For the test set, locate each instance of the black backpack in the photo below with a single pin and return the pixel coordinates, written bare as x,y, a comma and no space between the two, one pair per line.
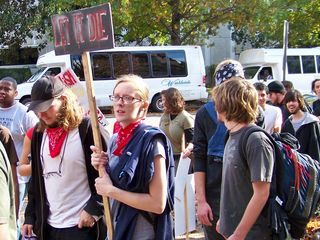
295,187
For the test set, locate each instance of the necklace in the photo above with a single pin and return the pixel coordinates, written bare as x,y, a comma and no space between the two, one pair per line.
237,124
52,173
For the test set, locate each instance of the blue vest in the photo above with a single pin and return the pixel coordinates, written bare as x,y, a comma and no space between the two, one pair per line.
133,173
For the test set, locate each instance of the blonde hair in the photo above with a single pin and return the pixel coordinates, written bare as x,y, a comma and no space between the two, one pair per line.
140,85
237,99
70,114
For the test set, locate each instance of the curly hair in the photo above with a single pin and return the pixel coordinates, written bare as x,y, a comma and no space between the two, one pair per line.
70,113
237,99
174,100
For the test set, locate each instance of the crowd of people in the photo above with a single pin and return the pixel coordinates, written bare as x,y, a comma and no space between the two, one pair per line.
49,162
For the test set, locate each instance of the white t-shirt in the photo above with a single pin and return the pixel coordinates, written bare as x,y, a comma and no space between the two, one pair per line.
18,121
272,118
66,181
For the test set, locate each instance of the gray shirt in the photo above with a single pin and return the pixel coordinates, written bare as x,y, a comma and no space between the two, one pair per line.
237,178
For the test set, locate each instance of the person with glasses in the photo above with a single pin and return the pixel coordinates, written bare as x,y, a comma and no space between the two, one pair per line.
140,166
177,123
63,202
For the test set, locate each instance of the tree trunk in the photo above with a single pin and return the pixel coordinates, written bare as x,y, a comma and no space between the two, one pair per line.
175,22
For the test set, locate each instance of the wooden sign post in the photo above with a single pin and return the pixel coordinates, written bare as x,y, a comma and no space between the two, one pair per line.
79,32
186,216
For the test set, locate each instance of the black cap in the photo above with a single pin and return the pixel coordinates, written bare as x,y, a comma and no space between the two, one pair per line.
43,93
276,87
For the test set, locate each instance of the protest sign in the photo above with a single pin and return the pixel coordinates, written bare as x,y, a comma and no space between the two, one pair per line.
79,32
70,79
184,196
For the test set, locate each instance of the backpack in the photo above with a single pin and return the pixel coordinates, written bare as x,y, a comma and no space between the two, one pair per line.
295,187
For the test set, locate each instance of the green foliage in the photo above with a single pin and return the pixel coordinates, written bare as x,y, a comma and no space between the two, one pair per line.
262,26
174,22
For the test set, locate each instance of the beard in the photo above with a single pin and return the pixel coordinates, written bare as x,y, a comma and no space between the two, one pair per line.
294,110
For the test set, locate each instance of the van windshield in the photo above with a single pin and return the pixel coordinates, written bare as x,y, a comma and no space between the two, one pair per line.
36,75
250,72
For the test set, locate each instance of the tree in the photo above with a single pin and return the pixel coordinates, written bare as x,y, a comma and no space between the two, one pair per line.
262,26
175,22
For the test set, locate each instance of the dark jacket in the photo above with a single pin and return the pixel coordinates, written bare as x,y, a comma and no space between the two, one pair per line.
37,209
208,148
308,135
316,107
133,173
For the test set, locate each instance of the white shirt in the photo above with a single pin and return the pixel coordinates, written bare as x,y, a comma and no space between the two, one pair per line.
68,193
18,121
272,118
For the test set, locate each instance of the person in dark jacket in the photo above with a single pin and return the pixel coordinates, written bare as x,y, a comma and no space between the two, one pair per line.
63,202
315,86
303,125
140,161
208,141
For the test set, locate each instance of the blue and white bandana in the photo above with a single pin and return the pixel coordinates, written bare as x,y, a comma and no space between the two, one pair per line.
227,71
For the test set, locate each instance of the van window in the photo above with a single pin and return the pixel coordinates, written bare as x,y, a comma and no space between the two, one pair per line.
159,64
265,74
76,65
177,61
140,64
101,66
318,63
308,64
53,71
293,64
144,64
250,72
121,64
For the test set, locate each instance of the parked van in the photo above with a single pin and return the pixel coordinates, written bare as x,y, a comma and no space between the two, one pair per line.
303,65
161,67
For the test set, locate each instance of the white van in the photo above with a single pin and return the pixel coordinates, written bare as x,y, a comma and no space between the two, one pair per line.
161,67
303,66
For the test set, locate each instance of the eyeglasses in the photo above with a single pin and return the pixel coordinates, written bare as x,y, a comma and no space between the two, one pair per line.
125,99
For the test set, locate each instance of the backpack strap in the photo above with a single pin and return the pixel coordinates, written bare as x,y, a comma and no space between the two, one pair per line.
245,136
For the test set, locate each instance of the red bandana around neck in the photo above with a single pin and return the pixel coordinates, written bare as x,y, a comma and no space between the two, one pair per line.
124,135
56,138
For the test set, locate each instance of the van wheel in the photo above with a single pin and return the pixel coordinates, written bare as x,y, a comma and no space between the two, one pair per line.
156,103
26,101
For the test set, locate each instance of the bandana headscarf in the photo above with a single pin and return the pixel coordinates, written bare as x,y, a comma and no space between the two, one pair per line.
56,138
124,135
227,71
